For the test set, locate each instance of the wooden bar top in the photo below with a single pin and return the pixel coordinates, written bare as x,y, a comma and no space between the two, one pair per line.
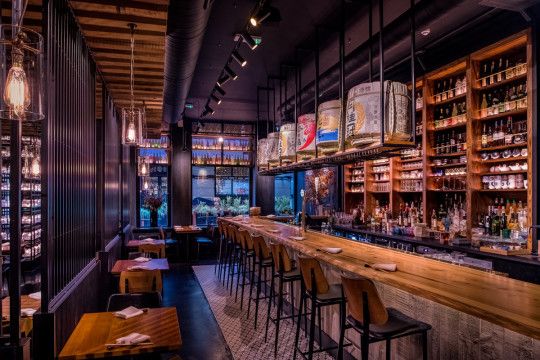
94,330
26,321
187,229
153,264
137,243
510,303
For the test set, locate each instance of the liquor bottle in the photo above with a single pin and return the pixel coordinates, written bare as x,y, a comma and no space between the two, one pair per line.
484,137
484,74
496,133
434,220
508,137
453,148
451,88
500,70
490,136
444,88
491,72
483,106
454,110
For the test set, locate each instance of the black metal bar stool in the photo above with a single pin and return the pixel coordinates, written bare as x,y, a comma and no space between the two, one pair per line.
264,261
221,253
285,272
233,256
374,321
245,264
316,288
228,251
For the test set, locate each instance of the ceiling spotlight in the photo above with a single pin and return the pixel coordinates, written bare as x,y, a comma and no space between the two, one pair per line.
220,90
239,59
231,73
248,39
264,13
425,32
223,79
216,99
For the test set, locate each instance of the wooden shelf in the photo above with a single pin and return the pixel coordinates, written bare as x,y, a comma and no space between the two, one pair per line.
448,165
500,160
457,154
412,169
502,147
455,98
411,160
379,192
410,191
500,83
438,190
500,190
487,173
380,181
450,127
502,115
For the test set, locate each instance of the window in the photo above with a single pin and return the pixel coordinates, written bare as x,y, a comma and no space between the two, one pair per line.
284,194
154,187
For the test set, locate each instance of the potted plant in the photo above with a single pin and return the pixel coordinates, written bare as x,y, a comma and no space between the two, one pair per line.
153,203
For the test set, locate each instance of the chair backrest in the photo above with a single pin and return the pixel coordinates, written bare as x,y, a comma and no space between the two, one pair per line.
140,281
162,234
357,290
261,249
119,302
134,254
153,249
220,227
242,236
311,267
282,260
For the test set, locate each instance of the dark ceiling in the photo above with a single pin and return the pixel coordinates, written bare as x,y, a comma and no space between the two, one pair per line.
294,35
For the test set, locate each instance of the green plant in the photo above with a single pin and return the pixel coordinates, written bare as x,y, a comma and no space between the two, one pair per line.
283,205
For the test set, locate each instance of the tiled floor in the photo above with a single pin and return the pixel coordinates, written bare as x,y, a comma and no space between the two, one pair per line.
201,335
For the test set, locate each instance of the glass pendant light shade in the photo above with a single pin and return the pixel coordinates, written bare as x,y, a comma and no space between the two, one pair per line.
132,123
144,167
22,74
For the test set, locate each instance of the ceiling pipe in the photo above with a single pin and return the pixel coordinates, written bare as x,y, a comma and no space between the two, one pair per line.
186,26
395,32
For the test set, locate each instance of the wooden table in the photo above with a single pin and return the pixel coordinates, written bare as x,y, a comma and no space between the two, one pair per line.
154,264
26,303
137,243
94,330
510,303
187,231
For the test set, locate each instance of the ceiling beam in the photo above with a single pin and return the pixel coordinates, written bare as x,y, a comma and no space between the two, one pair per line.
133,4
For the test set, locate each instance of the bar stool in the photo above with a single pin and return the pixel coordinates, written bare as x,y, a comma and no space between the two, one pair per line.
221,234
263,262
232,254
316,288
285,271
374,321
246,264
227,247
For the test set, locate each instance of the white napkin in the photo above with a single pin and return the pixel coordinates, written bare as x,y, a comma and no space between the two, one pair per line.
141,259
331,250
271,216
28,312
273,230
385,267
257,225
297,238
147,241
129,312
140,267
133,339
35,296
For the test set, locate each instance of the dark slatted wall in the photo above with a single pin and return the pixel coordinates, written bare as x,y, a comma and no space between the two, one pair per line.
71,150
111,171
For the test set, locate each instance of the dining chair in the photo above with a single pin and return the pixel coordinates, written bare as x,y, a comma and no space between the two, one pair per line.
134,254
153,250
119,302
140,281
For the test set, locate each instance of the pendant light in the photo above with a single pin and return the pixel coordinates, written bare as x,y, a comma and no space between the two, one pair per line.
145,184
21,51
132,117
35,166
144,167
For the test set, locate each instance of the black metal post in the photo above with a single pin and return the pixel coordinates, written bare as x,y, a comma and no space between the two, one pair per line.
342,97
413,72
296,96
317,79
381,68
370,39
534,131
15,233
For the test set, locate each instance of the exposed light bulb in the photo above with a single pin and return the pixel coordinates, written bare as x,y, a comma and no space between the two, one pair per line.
130,136
17,90
35,169
144,169
220,139
145,184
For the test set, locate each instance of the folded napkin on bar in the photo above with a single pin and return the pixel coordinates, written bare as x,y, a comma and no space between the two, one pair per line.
133,339
271,216
331,250
27,312
140,267
129,312
147,241
384,267
257,225
273,230
297,238
35,296
141,259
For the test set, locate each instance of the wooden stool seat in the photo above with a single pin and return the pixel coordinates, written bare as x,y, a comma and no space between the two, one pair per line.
397,325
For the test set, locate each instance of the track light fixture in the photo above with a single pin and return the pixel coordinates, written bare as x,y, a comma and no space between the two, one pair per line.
223,79
265,12
216,99
208,110
220,90
239,59
248,39
230,72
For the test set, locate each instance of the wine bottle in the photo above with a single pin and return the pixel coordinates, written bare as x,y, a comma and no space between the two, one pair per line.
484,137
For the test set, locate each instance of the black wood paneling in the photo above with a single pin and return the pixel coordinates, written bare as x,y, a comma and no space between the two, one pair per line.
111,171
71,150
181,174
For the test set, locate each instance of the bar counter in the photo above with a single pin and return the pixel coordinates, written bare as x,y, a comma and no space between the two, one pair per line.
509,303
